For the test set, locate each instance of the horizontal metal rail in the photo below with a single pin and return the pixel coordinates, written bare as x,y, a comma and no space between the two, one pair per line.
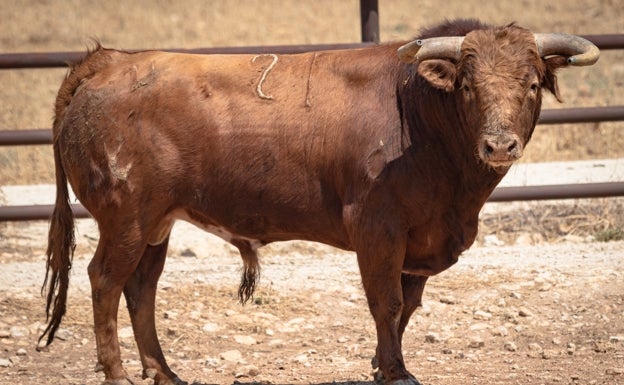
62,59
500,194
558,191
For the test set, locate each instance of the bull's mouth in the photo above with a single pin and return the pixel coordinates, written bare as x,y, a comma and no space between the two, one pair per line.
500,167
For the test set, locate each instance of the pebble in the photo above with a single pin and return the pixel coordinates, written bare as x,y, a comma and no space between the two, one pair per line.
476,342
125,332
247,371
482,315
534,347
500,331
231,355
18,331
245,340
524,312
432,337
510,346
616,339
448,299
4,363
21,352
210,327
615,371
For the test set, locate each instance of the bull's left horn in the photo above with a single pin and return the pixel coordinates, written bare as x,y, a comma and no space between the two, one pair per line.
580,51
448,47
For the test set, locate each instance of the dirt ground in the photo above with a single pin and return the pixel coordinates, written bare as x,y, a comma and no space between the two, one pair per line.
521,314
547,307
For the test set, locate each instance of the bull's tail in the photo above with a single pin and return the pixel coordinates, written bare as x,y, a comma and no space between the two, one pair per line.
251,270
61,241
61,244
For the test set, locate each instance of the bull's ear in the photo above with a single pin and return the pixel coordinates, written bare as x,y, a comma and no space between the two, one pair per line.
550,77
439,73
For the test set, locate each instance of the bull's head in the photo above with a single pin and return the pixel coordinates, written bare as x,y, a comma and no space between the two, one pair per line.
498,76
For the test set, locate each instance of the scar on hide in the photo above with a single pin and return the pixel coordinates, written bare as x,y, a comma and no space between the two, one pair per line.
259,91
307,97
118,171
144,81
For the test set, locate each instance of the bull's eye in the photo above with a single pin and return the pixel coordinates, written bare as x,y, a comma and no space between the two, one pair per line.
535,87
466,89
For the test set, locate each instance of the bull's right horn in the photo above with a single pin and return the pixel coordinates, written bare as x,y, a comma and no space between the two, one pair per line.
448,47
580,51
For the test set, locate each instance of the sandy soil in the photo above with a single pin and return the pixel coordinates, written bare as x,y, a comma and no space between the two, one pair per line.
543,314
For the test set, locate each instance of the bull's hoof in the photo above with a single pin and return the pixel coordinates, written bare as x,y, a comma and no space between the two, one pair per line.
162,379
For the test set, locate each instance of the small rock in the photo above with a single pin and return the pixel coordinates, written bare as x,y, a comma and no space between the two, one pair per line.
21,352
210,327
510,346
188,253
500,331
448,299
231,355
342,340
245,340
548,354
534,347
4,363
5,334
476,342
478,327
524,312
247,371
300,359
276,343
482,315
616,339
170,314
18,331
515,295
615,371
125,332
432,337
64,334
151,373
432,359
211,362
492,240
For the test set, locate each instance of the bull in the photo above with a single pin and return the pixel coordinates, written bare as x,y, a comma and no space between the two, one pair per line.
389,151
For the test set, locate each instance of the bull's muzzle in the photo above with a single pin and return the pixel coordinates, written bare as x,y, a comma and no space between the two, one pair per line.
500,150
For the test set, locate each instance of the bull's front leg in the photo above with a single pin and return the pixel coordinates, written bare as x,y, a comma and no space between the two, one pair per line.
380,265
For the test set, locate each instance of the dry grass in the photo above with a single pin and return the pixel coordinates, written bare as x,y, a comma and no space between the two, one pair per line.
538,222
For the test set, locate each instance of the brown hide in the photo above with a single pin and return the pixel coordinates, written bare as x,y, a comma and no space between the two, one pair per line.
350,148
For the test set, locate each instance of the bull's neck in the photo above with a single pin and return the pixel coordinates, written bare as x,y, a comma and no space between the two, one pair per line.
442,143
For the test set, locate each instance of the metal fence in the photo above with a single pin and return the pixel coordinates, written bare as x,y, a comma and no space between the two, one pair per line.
369,19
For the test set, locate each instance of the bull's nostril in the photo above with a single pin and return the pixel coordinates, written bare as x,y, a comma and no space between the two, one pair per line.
512,146
489,149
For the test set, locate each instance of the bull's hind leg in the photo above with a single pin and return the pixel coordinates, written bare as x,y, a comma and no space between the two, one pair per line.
140,293
115,259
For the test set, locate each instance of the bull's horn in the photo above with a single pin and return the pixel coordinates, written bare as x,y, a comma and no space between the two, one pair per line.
580,51
448,47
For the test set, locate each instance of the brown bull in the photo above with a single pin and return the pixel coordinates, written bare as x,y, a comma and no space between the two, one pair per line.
391,155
